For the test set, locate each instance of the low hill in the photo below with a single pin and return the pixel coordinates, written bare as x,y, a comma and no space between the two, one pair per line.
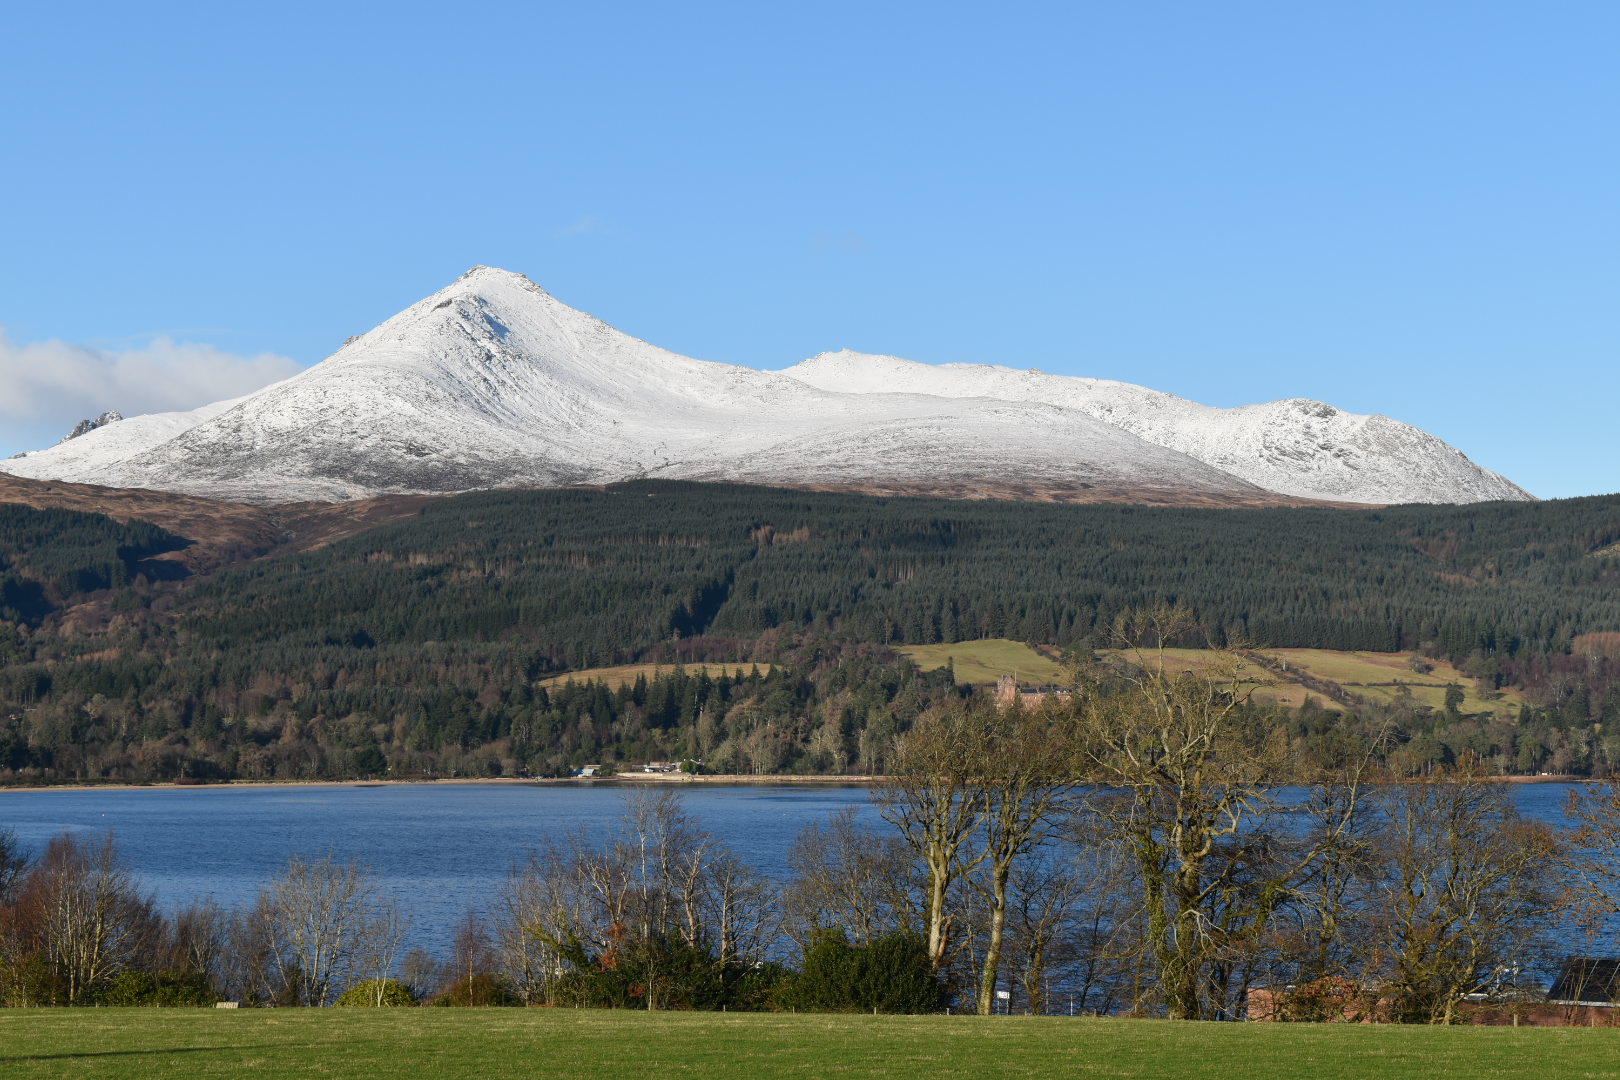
431,642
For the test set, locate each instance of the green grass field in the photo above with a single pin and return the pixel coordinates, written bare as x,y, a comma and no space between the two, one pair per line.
986,660
1374,675
1267,690
619,676
982,662
489,1044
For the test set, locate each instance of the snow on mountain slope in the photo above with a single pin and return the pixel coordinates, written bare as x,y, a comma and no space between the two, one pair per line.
1295,447
983,442
492,382
86,458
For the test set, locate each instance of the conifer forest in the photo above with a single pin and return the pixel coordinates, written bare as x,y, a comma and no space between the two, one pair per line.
431,646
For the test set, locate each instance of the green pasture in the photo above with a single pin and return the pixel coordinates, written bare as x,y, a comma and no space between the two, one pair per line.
491,1044
1377,675
986,660
1267,689
625,674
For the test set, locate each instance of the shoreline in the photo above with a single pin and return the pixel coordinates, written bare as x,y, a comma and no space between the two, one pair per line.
733,779
715,779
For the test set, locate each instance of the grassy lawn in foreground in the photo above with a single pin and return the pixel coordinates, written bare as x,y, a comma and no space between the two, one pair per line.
488,1044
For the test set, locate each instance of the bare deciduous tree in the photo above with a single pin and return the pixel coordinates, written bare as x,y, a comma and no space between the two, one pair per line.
13,864
1189,775
935,799
322,917
378,949
1022,779
846,877
86,913
1466,889
662,891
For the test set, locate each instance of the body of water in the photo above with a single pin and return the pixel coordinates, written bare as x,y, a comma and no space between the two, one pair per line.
441,849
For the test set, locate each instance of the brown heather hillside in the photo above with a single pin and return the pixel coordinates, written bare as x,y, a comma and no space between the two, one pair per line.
221,532
1013,491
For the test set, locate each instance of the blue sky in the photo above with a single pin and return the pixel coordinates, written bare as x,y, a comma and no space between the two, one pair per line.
1410,208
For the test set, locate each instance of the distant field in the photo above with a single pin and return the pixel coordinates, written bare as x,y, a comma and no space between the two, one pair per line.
986,660
1375,675
1286,694
495,1044
628,673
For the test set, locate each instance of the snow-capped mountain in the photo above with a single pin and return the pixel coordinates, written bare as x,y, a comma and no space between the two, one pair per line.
1294,447
492,382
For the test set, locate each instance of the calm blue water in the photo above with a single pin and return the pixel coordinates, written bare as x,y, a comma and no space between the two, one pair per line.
441,849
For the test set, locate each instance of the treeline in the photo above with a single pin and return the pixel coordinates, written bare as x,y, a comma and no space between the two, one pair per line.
77,929
673,921
818,708
418,648
1001,890
1560,738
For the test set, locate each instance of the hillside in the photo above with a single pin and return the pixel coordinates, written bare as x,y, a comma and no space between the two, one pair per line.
434,643
1328,678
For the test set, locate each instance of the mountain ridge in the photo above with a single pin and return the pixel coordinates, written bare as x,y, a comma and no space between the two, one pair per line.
493,382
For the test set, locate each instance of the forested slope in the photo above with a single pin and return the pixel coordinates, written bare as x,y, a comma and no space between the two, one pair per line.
592,577
417,646
49,558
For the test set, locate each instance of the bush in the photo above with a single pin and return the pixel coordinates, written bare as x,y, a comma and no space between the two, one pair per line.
472,990
395,995
32,982
664,971
889,975
166,989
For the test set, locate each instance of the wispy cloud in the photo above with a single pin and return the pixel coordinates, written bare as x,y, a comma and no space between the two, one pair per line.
56,383
839,241
588,225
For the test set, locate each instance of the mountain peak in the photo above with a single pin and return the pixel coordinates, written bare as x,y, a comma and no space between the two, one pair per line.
482,277
493,382
84,427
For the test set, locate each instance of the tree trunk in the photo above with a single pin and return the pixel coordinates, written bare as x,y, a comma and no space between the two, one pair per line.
998,931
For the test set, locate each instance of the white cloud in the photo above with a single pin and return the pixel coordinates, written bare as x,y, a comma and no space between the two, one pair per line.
53,384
